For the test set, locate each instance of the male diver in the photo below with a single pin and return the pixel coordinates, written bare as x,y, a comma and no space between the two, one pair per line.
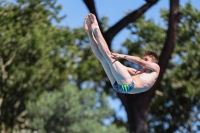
123,79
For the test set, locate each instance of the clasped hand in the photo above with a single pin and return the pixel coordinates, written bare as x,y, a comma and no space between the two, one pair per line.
117,56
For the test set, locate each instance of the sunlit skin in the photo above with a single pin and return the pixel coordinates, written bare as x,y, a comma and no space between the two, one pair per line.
117,72
146,58
145,78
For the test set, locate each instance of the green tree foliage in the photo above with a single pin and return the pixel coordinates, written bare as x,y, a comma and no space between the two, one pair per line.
31,58
70,111
37,57
176,105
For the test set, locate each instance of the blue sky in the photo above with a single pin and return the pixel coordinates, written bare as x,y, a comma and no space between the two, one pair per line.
75,10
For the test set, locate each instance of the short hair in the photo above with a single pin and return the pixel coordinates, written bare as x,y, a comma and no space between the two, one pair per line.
152,54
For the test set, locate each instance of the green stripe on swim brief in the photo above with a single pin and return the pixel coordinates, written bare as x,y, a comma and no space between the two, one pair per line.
125,87
128,87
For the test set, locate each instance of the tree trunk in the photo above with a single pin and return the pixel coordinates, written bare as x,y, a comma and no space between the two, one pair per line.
136,106
137,111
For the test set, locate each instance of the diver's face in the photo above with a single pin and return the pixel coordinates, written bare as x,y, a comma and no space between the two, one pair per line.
146,58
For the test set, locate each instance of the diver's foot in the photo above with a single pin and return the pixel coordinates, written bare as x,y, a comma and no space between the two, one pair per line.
94,24
87,23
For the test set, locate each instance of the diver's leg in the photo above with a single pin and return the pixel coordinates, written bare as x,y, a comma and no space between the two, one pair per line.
100,57
96,51
118,70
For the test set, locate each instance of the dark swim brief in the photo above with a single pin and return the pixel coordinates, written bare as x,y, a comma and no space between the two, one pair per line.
123,88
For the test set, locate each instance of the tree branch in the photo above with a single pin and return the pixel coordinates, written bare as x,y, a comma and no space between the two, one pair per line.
131,17
11,58
3,66
92,9
112,31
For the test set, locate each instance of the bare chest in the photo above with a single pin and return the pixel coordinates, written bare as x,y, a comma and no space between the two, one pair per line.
143,79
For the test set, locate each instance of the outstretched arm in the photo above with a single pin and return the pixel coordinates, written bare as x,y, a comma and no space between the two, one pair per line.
137,60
